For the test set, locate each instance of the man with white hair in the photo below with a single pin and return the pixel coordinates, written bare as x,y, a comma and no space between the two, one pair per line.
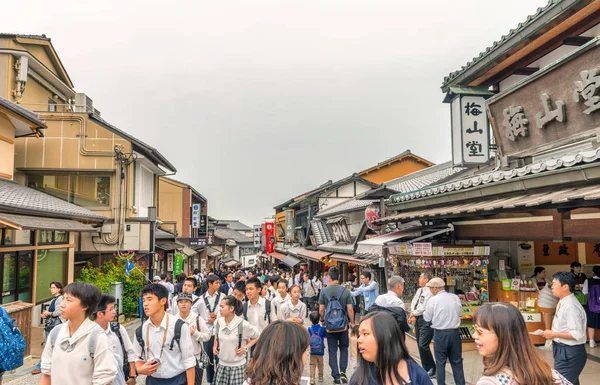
392,303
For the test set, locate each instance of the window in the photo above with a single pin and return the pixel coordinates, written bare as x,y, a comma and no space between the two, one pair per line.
51,266
12,237
47,237
51,105
17,274
91,191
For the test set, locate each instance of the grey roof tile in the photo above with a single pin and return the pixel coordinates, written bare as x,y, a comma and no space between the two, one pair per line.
27,222
21,199
23,112
224,234
424,178
348,206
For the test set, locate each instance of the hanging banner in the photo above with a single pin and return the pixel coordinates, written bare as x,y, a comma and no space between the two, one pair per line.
269,232
178,266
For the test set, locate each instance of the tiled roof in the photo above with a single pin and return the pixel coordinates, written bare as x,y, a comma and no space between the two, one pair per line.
321,232
24,200
344,207
27,222
499,44
23,112
234,225
528,200
13,35
564,161
395,158
337,247
224,234
424,178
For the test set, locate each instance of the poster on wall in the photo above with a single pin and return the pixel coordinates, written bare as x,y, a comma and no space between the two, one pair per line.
555,253
526,257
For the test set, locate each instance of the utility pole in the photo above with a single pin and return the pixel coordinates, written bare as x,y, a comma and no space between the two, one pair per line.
152,220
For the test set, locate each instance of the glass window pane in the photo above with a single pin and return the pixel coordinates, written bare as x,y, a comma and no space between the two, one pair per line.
91,191
17,237
61,237
50,267
44,236
25,275
8,277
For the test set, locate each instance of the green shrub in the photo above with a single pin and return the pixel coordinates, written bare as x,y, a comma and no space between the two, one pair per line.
111,272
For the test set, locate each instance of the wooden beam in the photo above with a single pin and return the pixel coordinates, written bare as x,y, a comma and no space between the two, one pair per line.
577,41
582,230
558,225
534,231
526,71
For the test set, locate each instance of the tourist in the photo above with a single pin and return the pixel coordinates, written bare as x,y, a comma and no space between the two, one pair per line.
78,337
293,309
118,340
317,334
160,357
578,275
568,329
326,279
509,357
209,310
189,286
423,329
51,316
257,310
391,302
309,292
227,285
369,289
384,358
279,363
239,291
444,311
591,287
547,302
198,330
179,285
336,317
234,336
282,296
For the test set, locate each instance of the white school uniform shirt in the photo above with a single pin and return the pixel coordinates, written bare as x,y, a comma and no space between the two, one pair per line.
419,302
172,362
256,314
69,362
229,340
115,347
444,311
287,310
204,312
570,317
276,304
201,334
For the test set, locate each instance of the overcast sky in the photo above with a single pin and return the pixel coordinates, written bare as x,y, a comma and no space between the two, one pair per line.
255,101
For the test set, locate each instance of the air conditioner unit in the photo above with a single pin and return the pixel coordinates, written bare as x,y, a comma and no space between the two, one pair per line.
83,103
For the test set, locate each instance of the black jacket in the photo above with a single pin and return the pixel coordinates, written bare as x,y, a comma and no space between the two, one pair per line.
398,313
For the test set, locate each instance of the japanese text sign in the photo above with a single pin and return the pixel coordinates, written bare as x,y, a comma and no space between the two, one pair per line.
557,105
470,133
195,216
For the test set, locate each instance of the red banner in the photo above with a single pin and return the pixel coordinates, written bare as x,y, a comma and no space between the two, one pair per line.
269,234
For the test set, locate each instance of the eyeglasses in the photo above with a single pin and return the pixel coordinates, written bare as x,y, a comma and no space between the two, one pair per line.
480,331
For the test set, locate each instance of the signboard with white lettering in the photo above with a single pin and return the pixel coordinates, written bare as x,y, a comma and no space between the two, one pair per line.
555,106
195,216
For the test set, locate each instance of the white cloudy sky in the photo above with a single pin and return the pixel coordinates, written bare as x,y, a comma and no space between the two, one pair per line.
256,101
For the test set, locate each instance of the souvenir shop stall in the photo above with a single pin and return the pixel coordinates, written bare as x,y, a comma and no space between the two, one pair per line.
463,268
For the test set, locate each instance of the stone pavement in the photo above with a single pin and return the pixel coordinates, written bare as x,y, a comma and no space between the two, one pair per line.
473,365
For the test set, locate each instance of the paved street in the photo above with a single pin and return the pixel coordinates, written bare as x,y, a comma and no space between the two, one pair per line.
472,365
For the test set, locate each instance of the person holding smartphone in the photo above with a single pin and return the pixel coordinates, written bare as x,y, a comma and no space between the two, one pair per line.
161,357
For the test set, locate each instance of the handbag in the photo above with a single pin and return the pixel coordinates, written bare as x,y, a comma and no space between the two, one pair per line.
51,323
203,361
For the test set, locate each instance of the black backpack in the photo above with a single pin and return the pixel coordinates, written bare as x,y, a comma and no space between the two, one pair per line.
176,335
267,310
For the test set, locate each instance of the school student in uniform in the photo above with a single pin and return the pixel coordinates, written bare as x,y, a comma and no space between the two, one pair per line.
234,336
77,351
293,310
257,310
118,340
281,297
198,329
164,360
190,285
210,310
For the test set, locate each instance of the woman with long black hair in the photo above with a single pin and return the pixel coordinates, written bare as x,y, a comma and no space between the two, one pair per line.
384,359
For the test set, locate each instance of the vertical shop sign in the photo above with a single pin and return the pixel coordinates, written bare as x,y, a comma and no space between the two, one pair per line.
195,216
257,236
170,262
269,232
290,225
178,266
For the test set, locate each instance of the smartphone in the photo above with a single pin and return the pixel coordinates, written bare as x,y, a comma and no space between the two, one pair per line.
154,360
304,380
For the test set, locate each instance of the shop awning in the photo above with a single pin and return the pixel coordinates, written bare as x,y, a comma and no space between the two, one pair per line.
189,251
168,245
315,255
26,222
290,261
358,259
375,246
277,255
211,252
229,262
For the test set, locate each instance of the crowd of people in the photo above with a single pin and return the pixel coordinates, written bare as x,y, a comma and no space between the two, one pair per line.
249,328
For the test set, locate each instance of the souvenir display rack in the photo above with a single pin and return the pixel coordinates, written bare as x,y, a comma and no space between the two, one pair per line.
465,275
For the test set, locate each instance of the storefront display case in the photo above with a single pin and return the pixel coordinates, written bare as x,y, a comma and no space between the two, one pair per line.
465,270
